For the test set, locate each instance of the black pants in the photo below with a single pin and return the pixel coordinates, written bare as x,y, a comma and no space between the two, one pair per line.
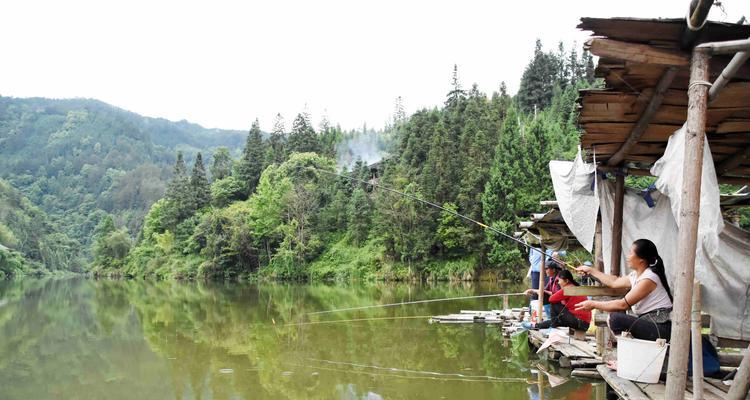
641,328
560,317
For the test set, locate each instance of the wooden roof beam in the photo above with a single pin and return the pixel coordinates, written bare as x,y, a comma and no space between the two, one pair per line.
733,162
640,127
637,53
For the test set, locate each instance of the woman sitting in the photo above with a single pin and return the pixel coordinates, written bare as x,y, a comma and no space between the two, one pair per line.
649,295
551,269
562,307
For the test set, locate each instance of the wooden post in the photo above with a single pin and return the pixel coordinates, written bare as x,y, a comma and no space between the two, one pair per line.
542,274
695,328
614,262
505,302
688,223
741,384
540,383
598,257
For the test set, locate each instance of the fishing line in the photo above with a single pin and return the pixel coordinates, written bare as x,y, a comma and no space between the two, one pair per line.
483,225
409,371
416,302
350,371
354,320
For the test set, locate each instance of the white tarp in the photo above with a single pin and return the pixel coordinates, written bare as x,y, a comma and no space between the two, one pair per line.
574,182
723,251
669,170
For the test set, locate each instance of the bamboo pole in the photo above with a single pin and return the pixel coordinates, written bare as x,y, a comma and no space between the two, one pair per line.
688,223
741,384
726,47
697,344
542,274
616,256
598,256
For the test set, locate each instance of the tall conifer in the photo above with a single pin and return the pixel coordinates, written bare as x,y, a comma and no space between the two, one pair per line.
253,160
201,191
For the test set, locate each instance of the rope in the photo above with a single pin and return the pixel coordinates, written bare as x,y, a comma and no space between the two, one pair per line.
415,302
699,83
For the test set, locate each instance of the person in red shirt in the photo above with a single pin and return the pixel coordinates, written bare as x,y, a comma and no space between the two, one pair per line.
563,308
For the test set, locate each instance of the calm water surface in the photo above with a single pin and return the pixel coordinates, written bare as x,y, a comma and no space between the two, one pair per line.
86,339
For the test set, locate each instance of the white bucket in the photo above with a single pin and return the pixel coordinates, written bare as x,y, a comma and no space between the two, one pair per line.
640,360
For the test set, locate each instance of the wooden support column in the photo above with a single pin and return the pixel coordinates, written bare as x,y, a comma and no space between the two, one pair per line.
741,384
598,255
614,261
696,337
540,295
688,223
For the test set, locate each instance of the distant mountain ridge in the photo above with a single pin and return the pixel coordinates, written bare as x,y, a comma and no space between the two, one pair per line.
79,159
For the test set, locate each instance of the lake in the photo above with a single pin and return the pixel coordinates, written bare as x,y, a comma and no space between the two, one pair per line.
79,338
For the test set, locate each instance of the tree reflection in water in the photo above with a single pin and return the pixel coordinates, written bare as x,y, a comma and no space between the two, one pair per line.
78,338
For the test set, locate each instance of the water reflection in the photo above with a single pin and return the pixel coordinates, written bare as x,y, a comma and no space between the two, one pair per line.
78,338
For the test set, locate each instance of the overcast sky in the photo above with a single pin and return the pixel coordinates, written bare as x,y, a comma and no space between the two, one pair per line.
224,63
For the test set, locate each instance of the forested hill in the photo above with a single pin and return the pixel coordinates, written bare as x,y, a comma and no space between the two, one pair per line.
281,212
29,241
80,159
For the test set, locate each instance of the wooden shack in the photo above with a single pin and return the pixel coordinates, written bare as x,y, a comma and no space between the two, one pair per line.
661,75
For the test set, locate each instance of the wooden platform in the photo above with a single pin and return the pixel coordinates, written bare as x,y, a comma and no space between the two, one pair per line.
481,317
713,389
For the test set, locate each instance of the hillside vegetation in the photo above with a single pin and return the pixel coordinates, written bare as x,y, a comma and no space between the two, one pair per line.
282,213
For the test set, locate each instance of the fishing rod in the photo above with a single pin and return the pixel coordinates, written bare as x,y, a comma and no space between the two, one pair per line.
415,302
483,225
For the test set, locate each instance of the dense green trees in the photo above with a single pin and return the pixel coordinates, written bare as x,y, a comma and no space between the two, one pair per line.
278,209
79,160
29,241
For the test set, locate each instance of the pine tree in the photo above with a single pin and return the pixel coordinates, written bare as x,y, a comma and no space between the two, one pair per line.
588,62
201,191
574,66
253,160
359,214
302,138
538,81
456,93
221,167
399,113
277,142
179,194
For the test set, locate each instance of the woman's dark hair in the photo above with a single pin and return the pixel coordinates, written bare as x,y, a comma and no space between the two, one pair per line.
568,276
646,250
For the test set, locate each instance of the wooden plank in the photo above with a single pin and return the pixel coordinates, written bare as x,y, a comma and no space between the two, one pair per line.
645,119
594,291
734,161
652,390
636,53
733,126
623,387
590,373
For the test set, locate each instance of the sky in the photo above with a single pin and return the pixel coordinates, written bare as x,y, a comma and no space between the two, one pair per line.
223,63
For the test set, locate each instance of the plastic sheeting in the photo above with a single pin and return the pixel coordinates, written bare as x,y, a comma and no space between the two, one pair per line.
574,184
723,252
